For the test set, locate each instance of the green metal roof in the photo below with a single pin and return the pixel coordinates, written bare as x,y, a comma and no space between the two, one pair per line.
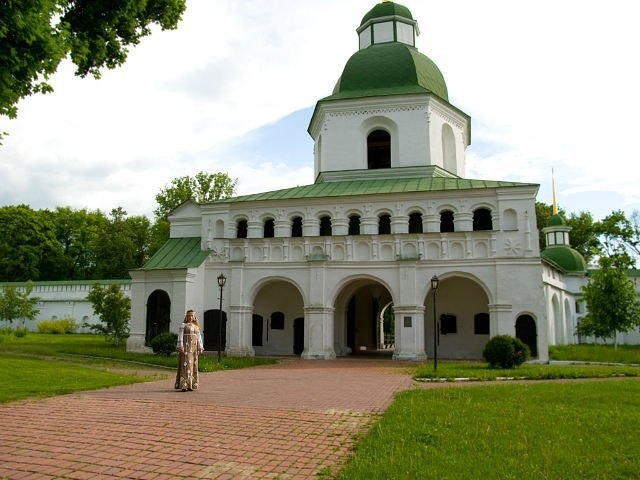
373,187
556,221
178,253
386,9
570,260
389,69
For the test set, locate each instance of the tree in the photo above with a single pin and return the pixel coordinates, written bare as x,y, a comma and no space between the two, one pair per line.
16,304
29,249
619,234
203,188
114,310
115,247
612,304
36,35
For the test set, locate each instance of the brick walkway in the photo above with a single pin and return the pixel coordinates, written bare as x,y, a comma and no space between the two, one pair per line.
288,421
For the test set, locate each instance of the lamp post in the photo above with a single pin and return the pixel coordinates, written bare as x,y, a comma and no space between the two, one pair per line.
434,286
221,281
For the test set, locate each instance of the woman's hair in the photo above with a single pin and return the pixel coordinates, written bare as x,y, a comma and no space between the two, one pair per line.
186,315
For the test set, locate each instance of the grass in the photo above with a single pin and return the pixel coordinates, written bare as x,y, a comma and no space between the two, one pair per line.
478,371
629,354
41,365
583,430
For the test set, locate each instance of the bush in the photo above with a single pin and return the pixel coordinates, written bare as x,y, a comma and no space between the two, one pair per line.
164,343
65,325
505,352
21,332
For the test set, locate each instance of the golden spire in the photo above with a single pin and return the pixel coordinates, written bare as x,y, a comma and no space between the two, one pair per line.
555,199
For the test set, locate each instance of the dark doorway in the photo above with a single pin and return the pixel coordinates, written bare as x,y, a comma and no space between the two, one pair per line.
158,315
351,324
212,339
257,325
298,335
526,331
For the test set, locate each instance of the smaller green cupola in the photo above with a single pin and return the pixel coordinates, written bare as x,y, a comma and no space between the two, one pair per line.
558,249
387,22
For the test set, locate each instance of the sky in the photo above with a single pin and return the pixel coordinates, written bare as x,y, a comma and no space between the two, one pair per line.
549,85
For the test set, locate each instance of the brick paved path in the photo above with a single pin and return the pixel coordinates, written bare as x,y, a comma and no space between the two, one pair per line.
288,421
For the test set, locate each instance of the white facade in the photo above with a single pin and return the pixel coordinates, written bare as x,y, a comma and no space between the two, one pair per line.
317,270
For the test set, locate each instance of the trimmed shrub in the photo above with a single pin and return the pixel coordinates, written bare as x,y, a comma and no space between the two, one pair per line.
505,352
164,343
64,325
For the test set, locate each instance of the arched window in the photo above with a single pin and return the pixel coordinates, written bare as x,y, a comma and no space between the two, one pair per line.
482,219
269,228
384,224
415,222
446,221
241,229
325,226
378,150
354,224
296,227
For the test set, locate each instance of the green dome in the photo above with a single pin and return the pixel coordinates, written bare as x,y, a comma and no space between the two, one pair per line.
556,221
389,69
566,257
386,9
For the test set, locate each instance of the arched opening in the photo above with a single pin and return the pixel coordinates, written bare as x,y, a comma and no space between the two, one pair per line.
215,334
269,228
296,227
384,224
241,229
158,315
378,150
325,226
446,221
415,222
354,224
363,319
482,219
526,331
457,334
280,304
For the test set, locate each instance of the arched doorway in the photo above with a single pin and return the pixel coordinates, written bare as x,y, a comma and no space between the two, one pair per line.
526,331
361,318
215,334
158,315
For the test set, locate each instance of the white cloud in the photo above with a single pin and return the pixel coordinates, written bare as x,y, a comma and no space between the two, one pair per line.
547,84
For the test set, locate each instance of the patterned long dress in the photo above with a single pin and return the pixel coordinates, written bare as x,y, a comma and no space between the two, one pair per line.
190,340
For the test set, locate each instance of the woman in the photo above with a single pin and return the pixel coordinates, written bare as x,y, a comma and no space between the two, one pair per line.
189,346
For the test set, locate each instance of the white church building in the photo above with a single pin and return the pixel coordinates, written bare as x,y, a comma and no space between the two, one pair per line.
345,265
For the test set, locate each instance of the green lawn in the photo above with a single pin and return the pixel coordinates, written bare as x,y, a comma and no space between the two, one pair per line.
41,365
578,430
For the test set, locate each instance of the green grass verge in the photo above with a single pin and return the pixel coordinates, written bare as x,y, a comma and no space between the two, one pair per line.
479,371
583,430
629,354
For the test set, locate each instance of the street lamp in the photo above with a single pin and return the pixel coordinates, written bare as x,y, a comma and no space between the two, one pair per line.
434,286
221,281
